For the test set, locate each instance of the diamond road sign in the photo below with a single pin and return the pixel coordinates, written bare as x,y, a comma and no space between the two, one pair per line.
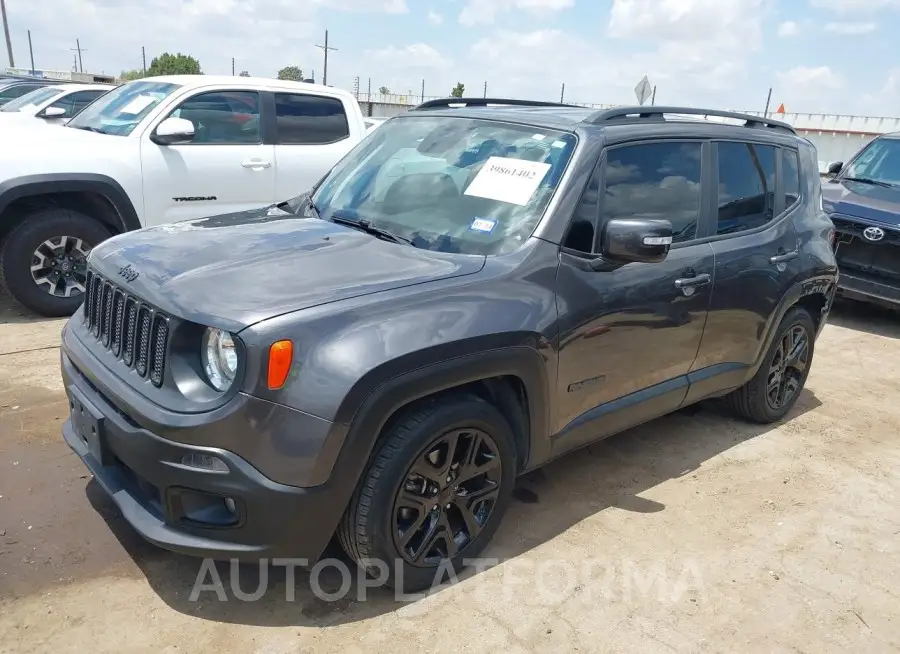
643,90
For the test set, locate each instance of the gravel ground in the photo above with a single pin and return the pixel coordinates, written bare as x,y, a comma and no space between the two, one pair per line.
695,532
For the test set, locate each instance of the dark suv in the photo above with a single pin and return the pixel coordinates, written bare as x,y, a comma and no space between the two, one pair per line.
863,200
473,291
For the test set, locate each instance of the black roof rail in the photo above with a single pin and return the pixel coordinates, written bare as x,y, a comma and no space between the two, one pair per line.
658,113
445,103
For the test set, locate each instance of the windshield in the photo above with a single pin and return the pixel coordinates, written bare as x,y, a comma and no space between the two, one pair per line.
879,162
449,184
33,99
119,111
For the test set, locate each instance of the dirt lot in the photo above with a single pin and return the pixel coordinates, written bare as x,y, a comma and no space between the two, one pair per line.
693,533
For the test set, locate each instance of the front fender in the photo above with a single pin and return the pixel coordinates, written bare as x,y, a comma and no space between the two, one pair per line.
50,183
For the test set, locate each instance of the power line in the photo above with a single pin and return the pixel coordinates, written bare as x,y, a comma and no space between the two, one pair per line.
326,49
9,52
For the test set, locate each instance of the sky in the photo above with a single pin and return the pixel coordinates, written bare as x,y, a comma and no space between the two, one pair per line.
819,56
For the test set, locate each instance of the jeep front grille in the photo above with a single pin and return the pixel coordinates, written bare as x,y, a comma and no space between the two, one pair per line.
136,333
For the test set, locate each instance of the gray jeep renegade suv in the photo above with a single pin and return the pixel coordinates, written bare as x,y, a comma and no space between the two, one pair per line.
473,291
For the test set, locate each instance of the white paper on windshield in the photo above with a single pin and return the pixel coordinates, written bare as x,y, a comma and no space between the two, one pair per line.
137,105
508,180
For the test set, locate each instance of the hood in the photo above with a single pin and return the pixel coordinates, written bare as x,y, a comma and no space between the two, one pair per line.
234,270
867,203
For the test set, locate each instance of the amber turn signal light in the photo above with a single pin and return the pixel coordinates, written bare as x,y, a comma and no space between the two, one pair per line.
281,354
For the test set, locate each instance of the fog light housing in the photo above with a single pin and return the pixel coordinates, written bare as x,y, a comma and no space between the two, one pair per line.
204,462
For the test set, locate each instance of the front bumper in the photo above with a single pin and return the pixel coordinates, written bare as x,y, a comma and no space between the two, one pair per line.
860,288
180,507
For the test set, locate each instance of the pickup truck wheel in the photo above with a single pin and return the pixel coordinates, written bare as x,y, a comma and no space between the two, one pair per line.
43,260
775,388
435,492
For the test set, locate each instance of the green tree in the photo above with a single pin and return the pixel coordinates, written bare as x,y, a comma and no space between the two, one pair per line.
174,64
384,90
129,75
292,73
458,90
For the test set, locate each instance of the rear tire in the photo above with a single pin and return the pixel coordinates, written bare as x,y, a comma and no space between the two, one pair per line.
757,400
57,240
467,502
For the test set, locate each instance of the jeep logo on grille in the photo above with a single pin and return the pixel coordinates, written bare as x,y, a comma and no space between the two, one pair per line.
128,273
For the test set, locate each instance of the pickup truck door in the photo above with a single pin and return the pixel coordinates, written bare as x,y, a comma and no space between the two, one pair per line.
225,168
314,131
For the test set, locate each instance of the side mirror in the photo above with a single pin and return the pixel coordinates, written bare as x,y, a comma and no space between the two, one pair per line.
835,168
52,112
172,131
635,240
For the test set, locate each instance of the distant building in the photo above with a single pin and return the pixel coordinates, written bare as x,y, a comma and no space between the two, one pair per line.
62,75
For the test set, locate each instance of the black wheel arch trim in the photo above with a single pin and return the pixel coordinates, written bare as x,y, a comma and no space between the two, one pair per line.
49,183
349,448
824,285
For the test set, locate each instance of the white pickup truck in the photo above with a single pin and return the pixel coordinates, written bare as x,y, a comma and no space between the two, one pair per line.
157,150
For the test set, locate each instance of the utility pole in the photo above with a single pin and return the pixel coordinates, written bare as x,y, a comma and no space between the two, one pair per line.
326,49
232,66
562,93
12,63
653,99
485,89
30,50
423,90
144,59
79,50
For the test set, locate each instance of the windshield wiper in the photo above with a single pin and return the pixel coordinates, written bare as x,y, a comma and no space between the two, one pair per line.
368,227
866,180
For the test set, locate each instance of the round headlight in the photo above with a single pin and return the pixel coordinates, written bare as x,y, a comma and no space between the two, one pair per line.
220,358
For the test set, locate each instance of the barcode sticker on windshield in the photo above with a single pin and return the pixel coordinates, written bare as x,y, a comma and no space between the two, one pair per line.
508,180
137,105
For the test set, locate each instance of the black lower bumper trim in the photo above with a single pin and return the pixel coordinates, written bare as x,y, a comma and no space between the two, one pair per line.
868,290
148,479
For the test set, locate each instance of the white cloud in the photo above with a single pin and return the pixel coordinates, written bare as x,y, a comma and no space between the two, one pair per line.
434,17
788,28
854,6
807,88
803,77
485,12
851,29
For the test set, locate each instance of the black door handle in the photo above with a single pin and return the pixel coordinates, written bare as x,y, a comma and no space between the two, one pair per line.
784,258
689,282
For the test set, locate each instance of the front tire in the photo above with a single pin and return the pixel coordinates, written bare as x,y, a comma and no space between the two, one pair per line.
776,386
43,260
434,494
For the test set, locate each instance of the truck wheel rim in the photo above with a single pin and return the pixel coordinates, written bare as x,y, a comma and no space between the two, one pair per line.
788,367
447,497
59,266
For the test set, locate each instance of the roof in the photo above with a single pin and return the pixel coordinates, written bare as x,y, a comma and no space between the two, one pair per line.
260,82
571,117
83,86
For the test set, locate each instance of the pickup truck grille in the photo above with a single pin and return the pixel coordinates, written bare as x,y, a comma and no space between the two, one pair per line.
136,333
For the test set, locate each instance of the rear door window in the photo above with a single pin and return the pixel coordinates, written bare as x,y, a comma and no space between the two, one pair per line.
746,197
305,119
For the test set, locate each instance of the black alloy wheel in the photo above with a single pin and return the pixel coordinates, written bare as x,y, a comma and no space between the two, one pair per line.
786,372
447,497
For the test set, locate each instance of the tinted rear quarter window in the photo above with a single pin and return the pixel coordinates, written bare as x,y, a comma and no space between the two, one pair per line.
655,181
746,186
790,177
310,119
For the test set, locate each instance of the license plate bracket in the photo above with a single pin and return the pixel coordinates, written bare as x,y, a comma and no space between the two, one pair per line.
89,427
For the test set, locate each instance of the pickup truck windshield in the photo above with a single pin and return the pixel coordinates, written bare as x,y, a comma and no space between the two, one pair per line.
119,111
32,99
449,184
878,163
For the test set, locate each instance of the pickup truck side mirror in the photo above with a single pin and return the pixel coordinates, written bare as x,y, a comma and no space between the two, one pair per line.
172,131
636,240
52,112
835,168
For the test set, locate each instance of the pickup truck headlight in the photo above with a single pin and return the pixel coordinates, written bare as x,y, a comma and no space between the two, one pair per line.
220,358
